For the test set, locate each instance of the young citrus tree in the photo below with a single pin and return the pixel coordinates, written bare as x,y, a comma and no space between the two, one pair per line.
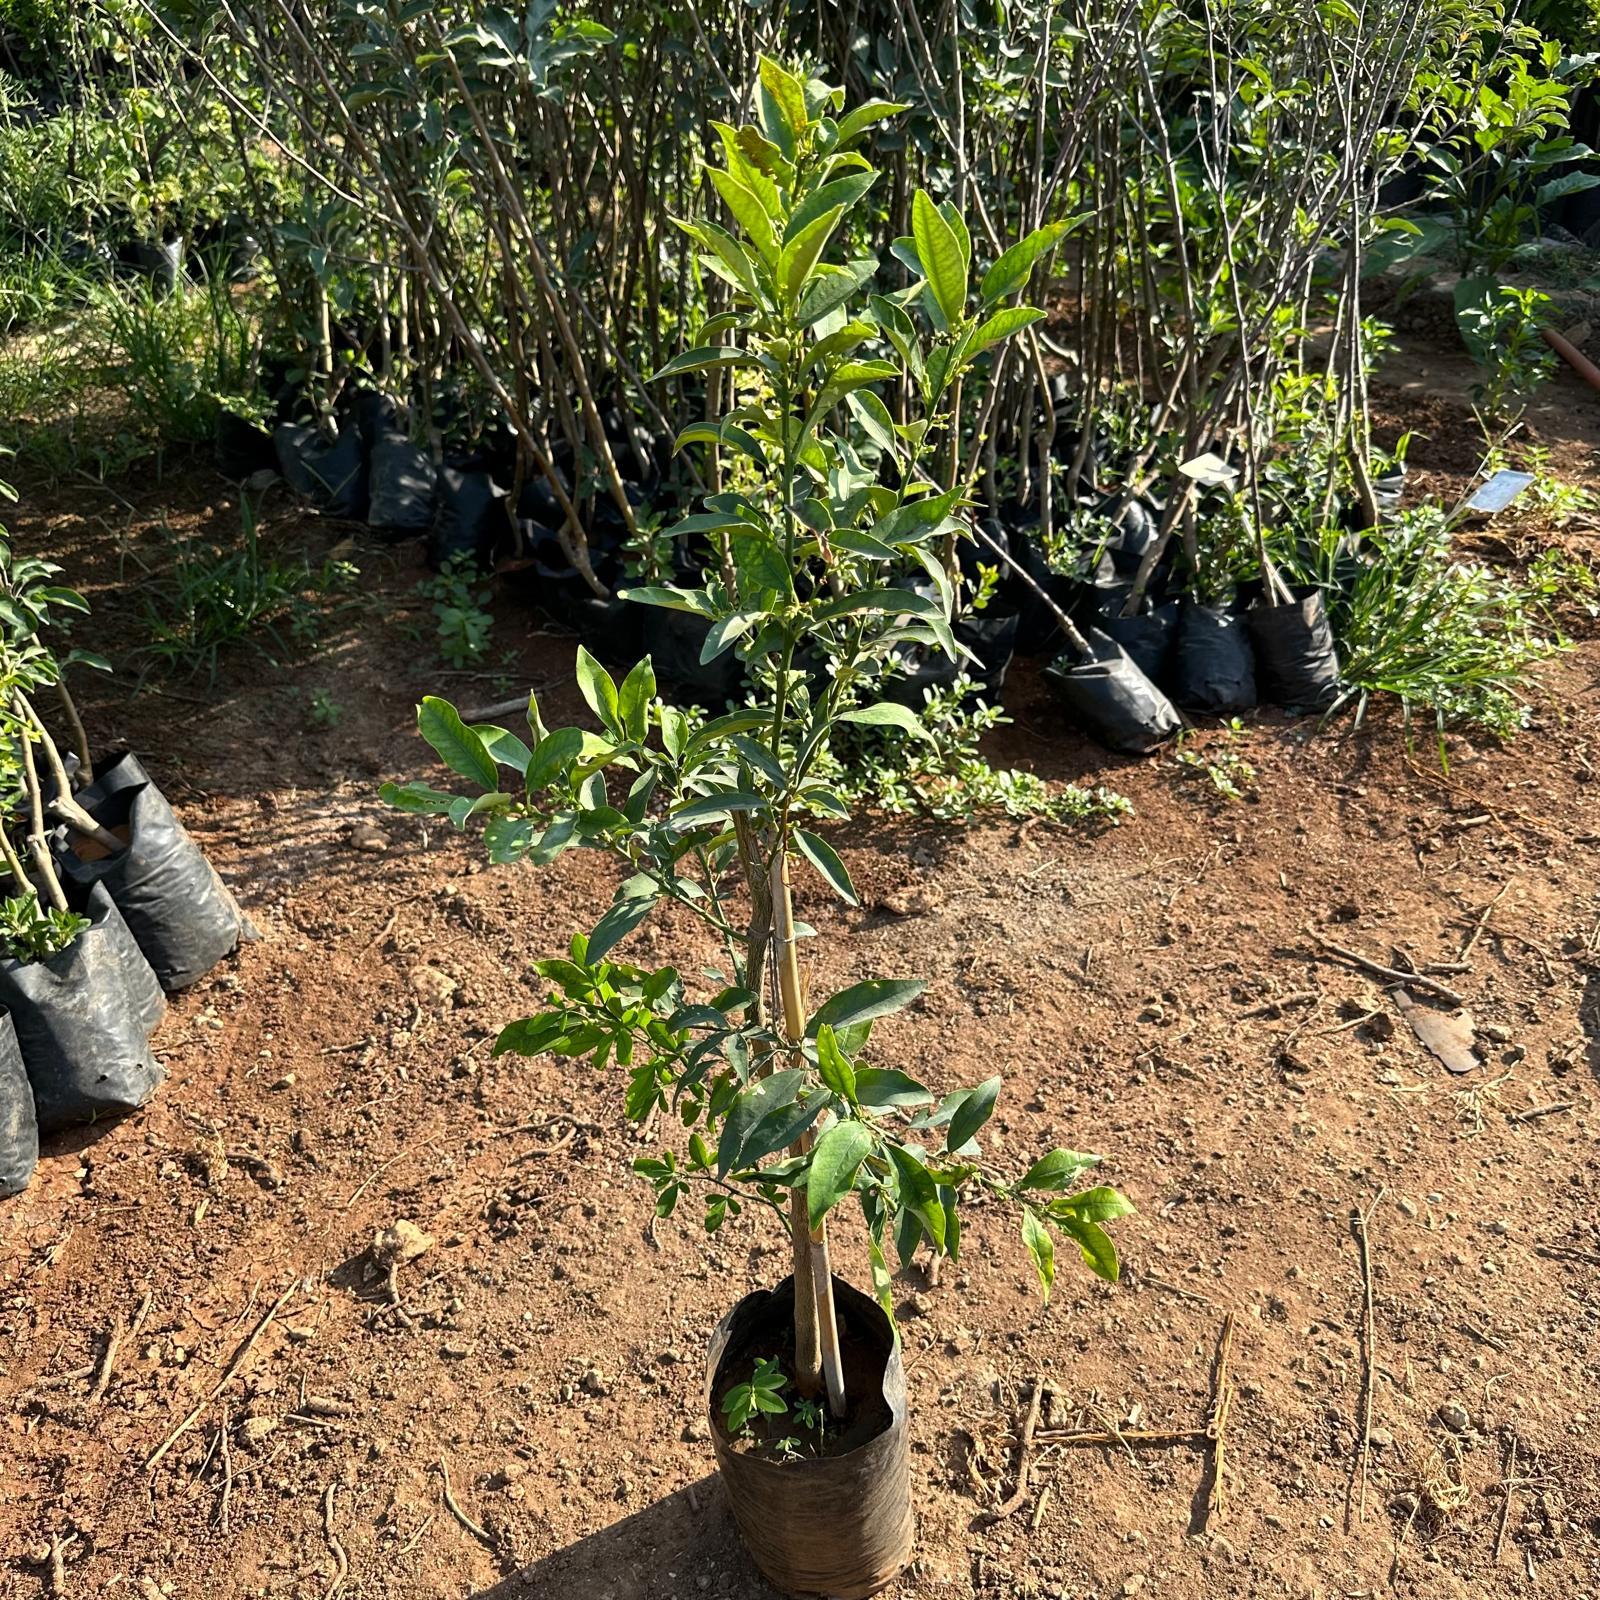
830,548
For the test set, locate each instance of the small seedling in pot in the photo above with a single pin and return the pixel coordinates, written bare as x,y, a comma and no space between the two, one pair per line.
761,1396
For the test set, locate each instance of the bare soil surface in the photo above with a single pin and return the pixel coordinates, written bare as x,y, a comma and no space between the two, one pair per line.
528,1420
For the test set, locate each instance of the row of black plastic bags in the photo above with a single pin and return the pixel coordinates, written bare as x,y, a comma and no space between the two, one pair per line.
75,1027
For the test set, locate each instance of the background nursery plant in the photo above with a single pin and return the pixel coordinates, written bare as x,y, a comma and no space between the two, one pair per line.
834,546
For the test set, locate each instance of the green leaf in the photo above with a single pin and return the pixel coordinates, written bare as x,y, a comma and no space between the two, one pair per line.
939,251
1099,1253
691,600
1042,1248
919,1194
862,1002
702,359
750,1110
618,922
858,119
788,95
883,1087
455,743
830,288
1012,271
834,1065
747,210
842,192
553,758
503,746
713,806
887,714
802,252
724,634
1058,1170
634,698
876,423
599,690
1102,1204
972,1113
1005,322
417,799
826,860
835,1160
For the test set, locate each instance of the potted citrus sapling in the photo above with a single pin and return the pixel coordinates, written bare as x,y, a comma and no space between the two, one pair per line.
829,567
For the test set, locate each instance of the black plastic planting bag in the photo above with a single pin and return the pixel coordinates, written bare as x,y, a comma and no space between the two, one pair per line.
19,1128
469,517
838,1524
400,483
144,988
242,446
1296,662
991,635
179,911
81,1040
612,630
1213,666
1112,698
1148,636
675,640
332,473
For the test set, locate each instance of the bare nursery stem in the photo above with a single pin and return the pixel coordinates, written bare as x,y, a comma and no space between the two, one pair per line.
38,846
80,734
63,805
816,1329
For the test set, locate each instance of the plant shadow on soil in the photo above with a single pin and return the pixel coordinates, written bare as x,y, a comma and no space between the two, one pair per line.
666,1549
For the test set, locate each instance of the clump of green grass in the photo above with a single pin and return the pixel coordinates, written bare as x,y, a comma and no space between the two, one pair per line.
210,599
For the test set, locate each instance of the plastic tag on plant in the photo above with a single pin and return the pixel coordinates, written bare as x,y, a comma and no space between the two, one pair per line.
1496,493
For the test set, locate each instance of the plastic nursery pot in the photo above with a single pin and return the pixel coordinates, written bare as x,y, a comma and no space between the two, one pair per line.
838,1524
175,905
1213,666
242,447
331,473
144,988
991,635
19,1128
401,481
1148,635
1297,665
675,640
469,517
84,1047
1111,697
613,630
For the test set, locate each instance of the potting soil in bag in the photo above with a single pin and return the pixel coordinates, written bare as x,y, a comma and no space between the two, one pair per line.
400,482
82,1043
469,517
1296,662
179,911
1111,697
1213,666
19,1128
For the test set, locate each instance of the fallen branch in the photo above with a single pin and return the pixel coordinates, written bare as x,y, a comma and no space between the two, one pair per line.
341,1560
456,1511
1359,1221
1217,1421
1419,980
1505,1504
239,1359
119,1332
1533,1113
1019,1494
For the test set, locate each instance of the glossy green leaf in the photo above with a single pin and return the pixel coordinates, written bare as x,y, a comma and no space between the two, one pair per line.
1058,1170
862,1002
455,743
835,1160
972,1113
827,861
833,1065
1042,1248
940,253
881,1088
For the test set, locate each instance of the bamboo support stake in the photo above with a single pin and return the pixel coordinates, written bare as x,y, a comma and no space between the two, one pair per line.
816,1329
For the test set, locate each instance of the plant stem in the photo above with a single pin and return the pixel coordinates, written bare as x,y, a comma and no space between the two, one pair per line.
38,848
816,1328
63,805
80,734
